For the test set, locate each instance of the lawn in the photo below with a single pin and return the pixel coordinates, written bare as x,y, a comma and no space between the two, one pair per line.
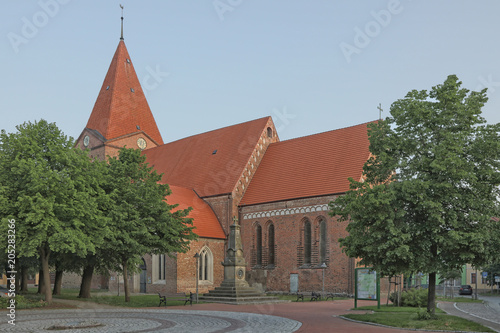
103,297
407,318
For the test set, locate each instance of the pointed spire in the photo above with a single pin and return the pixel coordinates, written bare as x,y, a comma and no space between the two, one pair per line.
121,37
121,107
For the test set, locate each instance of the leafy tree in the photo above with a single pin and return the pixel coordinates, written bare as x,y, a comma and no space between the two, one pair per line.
430,187
48,188
139,218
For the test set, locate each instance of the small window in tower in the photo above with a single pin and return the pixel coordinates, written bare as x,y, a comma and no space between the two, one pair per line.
138,127
128,61
132,90
107,88
214,152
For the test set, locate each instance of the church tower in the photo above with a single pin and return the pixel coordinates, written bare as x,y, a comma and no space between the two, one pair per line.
121,115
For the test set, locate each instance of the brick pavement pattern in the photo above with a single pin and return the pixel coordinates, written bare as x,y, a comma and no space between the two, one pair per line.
140,320
286,317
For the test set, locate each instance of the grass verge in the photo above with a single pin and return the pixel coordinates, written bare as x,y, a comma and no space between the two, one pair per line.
136,301
393,309
407,318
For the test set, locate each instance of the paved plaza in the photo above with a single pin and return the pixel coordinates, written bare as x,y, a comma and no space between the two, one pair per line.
210,317
138,320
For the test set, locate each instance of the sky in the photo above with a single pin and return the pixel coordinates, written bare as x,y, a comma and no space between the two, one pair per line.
313,66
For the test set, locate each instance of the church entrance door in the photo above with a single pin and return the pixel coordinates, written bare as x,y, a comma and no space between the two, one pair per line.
144,276
294,283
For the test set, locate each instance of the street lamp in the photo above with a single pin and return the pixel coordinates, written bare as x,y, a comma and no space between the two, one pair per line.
197,256
323,266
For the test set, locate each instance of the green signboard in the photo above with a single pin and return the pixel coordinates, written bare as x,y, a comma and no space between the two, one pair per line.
367,285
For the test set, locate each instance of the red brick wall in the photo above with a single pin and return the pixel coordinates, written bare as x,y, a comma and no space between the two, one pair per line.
180,271
222,207
186,265
289,244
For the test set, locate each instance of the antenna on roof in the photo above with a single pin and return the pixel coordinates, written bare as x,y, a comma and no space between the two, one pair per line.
380,110
121,38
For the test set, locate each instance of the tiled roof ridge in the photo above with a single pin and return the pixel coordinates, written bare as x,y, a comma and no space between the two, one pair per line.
215,130
288,171
320,133
113,81
109,80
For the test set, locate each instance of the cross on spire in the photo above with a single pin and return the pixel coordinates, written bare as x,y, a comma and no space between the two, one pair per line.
121,37
380,110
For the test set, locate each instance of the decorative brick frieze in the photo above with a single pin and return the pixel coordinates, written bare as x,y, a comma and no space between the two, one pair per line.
286,211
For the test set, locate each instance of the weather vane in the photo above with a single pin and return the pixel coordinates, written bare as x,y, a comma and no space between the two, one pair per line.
121,37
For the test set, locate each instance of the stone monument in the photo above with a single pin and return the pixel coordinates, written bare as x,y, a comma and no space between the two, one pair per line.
235,289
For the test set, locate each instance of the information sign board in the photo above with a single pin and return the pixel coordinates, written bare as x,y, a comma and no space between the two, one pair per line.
367,285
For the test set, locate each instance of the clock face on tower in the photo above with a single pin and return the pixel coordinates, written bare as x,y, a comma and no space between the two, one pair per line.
86,141
141,143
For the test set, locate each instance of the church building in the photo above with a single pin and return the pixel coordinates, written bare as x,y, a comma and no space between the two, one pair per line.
278,190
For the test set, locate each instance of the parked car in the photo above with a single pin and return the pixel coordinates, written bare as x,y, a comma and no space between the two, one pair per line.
465,290
3,292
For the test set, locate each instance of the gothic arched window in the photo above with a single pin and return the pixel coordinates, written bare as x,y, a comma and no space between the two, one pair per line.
322,241
307,242
205,265
258,245
270,245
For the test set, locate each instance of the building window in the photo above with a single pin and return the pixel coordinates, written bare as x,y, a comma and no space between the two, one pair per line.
322,242
158,268
269,132
270,245
161,267
258,245
307,243
206,263
472,278
483,280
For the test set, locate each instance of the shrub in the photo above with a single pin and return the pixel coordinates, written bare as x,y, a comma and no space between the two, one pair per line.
422,314
412,297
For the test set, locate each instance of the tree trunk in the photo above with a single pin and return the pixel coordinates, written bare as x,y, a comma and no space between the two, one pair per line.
41,286
125,281
24,279
58,282
88,271
17,282
44,258
431,298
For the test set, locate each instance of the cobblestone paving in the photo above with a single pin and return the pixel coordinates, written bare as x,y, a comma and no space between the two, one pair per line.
480,310
140,320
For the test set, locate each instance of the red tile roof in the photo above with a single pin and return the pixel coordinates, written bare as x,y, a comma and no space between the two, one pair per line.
118,111
206,223
309,166
211,163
